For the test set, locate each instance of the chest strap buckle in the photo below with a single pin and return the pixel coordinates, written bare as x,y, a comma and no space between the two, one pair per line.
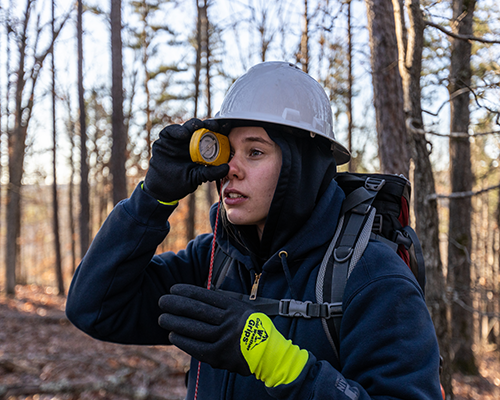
308,309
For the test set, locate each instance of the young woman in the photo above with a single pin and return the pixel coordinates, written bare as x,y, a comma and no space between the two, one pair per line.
280,209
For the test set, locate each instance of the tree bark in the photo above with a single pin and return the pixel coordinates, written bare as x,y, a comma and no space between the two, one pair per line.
387,88
2,51
55,200
27,72
304,40
147,75
1,121
410,45
208,89
16,146
461,178
351,166
197,71
496,287
71,201
209,186
191,213
119,147
84,217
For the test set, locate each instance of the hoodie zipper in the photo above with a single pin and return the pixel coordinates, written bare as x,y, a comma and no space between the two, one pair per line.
255,287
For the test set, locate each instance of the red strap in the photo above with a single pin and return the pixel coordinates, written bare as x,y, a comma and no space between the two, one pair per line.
209,284
403,220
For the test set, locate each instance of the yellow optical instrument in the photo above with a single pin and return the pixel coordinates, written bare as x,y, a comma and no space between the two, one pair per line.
209,148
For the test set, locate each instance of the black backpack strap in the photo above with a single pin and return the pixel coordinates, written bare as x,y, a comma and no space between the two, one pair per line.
341,263
349,243
363,196
408,237
288,307
380,238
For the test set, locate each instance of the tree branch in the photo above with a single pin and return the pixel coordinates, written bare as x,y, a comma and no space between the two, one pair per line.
410,124
460,195
459,134
460,37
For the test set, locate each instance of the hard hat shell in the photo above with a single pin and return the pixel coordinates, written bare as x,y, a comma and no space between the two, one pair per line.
281,93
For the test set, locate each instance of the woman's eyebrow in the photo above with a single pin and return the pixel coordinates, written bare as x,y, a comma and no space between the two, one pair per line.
259,140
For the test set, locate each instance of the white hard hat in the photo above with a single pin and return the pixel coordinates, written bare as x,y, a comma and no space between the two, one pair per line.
281,93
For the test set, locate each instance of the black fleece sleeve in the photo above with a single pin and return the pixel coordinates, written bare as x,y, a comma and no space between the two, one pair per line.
115,290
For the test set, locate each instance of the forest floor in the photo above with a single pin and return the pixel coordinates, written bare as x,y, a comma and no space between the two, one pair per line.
42,356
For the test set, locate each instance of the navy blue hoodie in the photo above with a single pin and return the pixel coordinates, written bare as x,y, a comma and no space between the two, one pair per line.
388,348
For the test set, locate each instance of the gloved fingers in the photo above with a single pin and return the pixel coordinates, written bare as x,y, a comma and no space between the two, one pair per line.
193,347
218,355
174,131
201,351
181,133
212,125
203,295
199,330
218,126
183,325
193,125
192,308
209,173
189,345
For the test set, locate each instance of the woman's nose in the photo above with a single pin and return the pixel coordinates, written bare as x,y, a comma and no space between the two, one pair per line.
235,170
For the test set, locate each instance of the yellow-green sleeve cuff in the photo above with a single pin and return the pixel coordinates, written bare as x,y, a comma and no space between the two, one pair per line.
171,203
270,357
165,203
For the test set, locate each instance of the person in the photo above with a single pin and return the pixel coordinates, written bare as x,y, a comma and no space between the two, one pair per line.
280,209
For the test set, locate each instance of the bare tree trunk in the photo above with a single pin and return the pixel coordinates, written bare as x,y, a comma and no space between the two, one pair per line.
197,71
7,111
9,275
410,44
387,88
6,22
13,213
191,214
84,218
16,147
352,167
461,178
496,286
119,147
487,232
147,77
71,202
55,203
304,41
208,64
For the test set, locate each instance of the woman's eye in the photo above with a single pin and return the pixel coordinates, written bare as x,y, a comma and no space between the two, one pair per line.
255,152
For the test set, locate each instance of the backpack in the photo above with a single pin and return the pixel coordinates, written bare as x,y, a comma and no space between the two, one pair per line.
376,206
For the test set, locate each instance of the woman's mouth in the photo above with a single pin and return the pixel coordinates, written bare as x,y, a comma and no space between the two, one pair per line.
233,197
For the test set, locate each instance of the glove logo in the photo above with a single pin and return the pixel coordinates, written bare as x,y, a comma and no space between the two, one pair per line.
254,333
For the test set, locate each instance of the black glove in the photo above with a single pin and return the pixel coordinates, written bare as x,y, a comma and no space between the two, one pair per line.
230,334
172,175
207,325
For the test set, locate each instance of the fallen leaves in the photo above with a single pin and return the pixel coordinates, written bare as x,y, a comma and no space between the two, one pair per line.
42,356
